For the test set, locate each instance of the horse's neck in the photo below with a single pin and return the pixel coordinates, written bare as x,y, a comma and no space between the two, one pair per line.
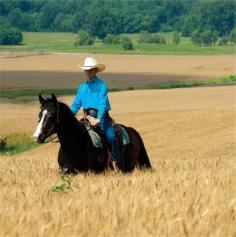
68,125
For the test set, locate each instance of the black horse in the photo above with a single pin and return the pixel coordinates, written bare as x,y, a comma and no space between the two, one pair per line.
77,152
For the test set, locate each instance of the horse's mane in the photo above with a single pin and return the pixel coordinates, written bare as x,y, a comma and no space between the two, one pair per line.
65,108
66,111
66,118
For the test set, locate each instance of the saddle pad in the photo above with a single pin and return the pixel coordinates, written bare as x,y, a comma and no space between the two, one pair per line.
97,142
125,136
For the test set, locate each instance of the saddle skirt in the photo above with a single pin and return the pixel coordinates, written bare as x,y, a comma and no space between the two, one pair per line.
120,129
96,139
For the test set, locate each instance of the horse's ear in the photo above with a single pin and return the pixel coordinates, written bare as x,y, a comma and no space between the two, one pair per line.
41,99
54,99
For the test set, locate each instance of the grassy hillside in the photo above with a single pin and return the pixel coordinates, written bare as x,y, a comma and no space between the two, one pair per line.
64,42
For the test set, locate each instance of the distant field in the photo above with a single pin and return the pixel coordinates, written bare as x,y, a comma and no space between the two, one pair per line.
131,83
59,73
45,42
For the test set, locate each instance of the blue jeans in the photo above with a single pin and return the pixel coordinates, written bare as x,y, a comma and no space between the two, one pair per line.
109,132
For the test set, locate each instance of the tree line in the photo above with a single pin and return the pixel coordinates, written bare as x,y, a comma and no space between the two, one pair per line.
100,17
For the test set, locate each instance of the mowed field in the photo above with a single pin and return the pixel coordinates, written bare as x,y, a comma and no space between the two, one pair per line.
190,136
60,71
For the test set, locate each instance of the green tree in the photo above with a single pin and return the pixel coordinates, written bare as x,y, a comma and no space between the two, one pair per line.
196,37
133,22
213,15
111,39
30,22
157,39
214,37
58,21
150,38
145,37
101,21
127,43
84,39
108,39
66,23
232,36
15,17
186,29
224,40
204,37
48,14
176,38
69,24
10,36
100,17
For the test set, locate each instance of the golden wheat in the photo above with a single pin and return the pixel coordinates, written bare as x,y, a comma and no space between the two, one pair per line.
179,198
190,137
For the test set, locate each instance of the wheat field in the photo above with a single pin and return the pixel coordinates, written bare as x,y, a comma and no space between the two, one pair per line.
190,136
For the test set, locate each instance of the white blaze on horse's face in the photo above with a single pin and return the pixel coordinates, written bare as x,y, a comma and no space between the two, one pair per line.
39,127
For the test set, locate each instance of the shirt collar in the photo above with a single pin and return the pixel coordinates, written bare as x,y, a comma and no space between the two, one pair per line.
92,80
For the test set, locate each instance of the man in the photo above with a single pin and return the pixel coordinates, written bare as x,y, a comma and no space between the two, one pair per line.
92,96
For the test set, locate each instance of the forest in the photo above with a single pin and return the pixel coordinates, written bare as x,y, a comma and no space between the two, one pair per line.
100,17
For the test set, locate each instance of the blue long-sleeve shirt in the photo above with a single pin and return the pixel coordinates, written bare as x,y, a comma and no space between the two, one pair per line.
92,94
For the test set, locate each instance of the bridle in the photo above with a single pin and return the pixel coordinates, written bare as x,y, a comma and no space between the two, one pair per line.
51,139
49,133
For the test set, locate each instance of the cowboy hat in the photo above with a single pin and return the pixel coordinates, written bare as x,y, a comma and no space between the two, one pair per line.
90,63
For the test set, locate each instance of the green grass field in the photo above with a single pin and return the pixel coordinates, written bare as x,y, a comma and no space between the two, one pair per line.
16,143
48,42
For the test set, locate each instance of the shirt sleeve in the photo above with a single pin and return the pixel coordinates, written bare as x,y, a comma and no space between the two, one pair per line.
102,102
77,103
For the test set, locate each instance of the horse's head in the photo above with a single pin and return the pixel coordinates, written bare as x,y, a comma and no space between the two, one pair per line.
47,118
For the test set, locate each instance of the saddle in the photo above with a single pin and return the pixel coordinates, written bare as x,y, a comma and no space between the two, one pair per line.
97,135
99,140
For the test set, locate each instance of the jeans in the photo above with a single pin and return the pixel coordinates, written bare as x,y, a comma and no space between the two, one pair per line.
109,132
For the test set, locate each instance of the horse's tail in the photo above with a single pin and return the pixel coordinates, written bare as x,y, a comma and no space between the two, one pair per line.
143,159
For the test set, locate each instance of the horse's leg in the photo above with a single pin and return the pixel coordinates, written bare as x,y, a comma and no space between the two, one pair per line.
130,151
99,163
143,161
61,159
63,163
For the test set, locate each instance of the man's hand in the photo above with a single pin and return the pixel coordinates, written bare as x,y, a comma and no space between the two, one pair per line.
95,122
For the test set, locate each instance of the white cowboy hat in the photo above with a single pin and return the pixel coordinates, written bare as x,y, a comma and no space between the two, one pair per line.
90,63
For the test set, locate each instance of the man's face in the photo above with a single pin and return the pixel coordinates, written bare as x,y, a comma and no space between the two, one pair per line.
90,73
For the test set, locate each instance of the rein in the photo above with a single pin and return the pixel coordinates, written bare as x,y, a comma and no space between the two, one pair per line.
51,139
